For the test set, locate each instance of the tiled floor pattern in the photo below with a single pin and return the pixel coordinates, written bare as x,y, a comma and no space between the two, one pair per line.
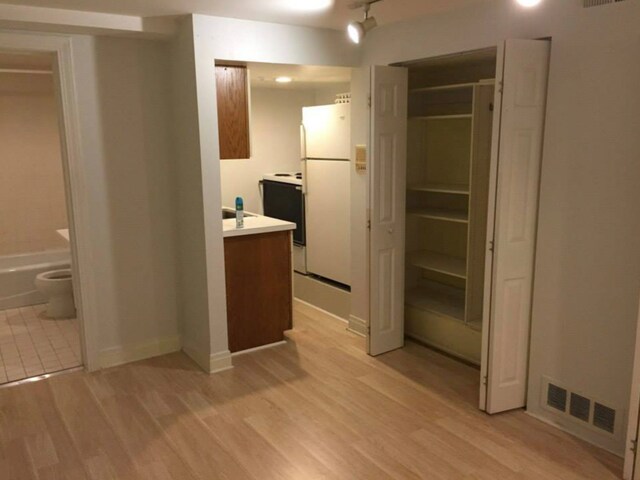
31,344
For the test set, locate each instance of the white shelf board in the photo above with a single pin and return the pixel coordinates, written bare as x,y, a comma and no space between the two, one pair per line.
443,117
457,216
453,188
437,262
442,300
435,88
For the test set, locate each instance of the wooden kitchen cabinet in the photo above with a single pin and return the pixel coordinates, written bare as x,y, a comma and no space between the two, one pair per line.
258,276
233,111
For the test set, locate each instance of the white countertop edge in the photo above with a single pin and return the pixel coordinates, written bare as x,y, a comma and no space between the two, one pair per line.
255,225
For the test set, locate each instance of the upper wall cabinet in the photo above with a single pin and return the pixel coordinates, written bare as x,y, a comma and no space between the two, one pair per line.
233,111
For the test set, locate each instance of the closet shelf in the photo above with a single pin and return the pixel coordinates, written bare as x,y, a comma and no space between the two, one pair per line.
435,88
452,188
442,117
457,216
437,298
438,262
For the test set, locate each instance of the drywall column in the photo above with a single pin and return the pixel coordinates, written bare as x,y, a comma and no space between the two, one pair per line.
194,307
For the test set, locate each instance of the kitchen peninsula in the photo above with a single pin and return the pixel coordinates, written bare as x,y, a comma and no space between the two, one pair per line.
258,274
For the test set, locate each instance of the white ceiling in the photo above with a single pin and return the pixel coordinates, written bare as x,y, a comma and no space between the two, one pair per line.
263,75
279,11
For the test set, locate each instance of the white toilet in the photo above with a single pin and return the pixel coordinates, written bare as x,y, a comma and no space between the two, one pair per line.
57,287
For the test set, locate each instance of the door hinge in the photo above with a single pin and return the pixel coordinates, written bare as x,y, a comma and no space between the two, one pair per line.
491,246
485,380
369,224
369,100
634,446
500,86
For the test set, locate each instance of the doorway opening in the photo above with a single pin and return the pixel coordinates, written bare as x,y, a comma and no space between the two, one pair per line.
40,331
294,165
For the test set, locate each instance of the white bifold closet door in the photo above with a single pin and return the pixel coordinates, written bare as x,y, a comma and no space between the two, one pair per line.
387,179
520,104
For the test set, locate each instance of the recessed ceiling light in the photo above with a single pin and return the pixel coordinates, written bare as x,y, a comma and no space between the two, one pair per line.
529,3
284,79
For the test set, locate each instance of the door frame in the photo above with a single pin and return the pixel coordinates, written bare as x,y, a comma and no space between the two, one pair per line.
74,172
633,426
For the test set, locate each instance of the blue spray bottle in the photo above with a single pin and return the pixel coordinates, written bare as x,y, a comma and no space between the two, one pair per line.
239,212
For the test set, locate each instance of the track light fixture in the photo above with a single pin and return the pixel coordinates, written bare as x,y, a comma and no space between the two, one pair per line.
357,30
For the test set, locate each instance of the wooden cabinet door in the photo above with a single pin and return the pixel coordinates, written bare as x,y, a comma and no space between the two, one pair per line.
233,112
259,289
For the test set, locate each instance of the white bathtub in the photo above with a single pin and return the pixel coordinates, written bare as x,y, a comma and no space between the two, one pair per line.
18,272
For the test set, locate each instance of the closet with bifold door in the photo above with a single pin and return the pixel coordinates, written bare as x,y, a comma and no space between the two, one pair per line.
463,192
449,134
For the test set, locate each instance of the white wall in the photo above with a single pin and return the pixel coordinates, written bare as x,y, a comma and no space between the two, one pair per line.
588,262
32,197
276,115
242,40
123,93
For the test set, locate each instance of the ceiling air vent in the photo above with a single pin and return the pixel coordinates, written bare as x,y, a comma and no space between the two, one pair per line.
557,397
579,407
604,418
598,3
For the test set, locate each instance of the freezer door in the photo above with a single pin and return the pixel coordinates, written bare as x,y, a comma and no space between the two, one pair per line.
328,219
327,130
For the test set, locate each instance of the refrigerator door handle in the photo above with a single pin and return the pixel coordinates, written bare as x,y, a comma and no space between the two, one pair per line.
303,157
303,142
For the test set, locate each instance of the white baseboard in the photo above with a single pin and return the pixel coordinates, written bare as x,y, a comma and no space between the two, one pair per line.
220,361
305,307
358,326
261,347
216,362
114,356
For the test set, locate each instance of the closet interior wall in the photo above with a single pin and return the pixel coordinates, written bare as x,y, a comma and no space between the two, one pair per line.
448,158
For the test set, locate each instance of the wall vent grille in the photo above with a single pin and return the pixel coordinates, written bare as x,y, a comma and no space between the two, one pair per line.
598,3
580,407
604,418
557,397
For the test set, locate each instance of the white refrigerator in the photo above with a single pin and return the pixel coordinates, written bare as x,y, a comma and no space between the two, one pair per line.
326,146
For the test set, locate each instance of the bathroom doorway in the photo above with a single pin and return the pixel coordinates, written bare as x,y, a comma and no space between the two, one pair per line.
40,333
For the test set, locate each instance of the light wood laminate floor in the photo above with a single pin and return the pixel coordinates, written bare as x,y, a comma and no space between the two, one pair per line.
315,408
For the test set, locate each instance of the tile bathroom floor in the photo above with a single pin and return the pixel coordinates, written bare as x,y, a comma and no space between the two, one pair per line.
32,345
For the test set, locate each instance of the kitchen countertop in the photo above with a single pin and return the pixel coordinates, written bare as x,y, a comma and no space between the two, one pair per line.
255,224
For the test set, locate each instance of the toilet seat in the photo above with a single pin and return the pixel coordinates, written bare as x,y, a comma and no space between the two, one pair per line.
55,275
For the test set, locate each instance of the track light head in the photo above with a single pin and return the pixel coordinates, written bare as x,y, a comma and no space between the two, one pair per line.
357,30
